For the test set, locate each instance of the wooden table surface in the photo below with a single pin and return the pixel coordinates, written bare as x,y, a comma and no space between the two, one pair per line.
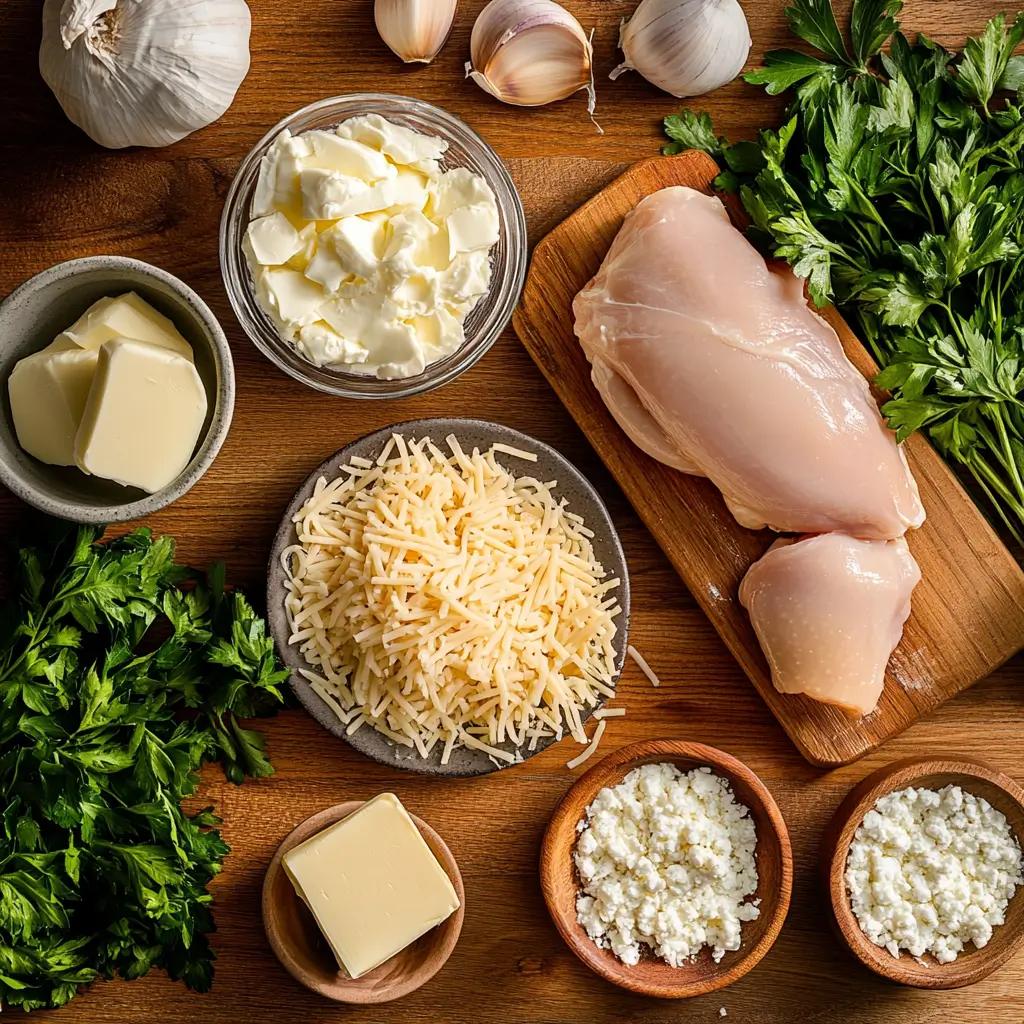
62,197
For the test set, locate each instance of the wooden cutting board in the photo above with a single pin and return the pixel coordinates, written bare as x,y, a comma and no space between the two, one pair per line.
968,611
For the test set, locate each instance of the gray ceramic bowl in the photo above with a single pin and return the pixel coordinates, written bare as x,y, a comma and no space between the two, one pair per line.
572,485
35,313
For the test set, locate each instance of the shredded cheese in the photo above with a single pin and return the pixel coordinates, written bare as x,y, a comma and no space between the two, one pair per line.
642,663
447,603
609,713
591,747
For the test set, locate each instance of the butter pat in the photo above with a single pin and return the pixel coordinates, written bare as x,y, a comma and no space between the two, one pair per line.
48,393
126,316
144,415
372,884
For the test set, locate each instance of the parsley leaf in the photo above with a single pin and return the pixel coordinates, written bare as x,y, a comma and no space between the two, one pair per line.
785,68
815,22
985,60
102,871
872,22
692,131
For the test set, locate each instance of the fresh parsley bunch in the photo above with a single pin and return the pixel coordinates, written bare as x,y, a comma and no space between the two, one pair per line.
102,731
896,188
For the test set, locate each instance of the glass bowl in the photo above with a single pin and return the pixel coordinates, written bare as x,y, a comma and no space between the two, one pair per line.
508,257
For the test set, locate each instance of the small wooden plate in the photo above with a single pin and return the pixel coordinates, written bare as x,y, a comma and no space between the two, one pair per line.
976,777
652,976
299,944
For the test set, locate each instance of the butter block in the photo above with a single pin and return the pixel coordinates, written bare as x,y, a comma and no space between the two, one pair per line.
145,412
48,392
125,316
372,883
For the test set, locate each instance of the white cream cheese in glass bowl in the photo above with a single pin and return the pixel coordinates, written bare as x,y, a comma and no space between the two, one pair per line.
373,246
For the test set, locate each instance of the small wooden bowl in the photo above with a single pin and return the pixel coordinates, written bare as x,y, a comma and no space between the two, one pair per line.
976,777
299,944
652,976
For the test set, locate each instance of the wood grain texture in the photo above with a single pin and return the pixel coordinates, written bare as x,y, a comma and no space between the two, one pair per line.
774,856
61,197
298,943
976,777
968,610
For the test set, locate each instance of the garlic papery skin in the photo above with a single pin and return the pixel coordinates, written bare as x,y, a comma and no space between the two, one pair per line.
686,47
415,29
530,52
144,72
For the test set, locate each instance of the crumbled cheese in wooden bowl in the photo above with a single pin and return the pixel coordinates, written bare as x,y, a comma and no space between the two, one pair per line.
930,871
441,600
666,860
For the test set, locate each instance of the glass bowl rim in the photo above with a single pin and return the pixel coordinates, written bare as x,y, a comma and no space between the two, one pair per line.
504,296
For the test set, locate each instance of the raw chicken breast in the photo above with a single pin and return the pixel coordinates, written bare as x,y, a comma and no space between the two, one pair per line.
713,364
828,612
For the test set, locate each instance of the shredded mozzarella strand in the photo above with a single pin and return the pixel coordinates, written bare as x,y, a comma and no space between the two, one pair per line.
591,747
642,663
447,603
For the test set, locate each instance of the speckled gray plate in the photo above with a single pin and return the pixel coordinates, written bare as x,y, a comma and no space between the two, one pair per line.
572,485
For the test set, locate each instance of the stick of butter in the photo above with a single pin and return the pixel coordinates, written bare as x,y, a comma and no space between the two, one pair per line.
48,392
126,316
372,883
144,415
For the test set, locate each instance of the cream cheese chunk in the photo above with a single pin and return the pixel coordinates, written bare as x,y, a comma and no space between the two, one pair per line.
125,316
365,254
471,228
273,240
405,147
48,393
144,414
372,883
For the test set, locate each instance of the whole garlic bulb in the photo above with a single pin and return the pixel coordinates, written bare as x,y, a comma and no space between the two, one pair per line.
530,52
144,72
686,47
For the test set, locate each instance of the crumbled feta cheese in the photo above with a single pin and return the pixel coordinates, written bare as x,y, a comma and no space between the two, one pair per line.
666,860
929,871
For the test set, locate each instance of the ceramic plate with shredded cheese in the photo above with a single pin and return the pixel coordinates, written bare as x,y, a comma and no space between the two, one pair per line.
451,597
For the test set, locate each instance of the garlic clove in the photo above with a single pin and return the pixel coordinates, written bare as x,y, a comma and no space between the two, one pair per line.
530,52
144,72
685,47
415,29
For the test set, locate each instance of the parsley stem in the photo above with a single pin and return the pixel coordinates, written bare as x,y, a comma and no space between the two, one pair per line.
997,413
988,480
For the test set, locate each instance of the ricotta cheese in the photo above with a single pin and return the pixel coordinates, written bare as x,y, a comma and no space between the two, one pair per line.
666,860
365,254
931,870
